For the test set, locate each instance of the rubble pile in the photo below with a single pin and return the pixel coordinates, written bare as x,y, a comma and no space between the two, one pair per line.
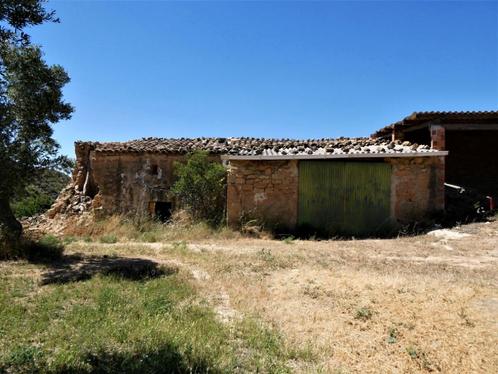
70,201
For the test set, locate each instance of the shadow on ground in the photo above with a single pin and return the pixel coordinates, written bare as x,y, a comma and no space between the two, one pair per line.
165,358
78,267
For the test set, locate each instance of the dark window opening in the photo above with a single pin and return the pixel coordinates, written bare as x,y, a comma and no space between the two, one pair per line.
154,170
420,136
162,210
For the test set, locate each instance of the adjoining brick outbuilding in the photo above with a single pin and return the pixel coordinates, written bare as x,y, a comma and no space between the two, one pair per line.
334,186
470,137
340,193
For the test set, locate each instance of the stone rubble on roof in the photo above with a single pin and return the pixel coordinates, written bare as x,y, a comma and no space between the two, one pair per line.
259,146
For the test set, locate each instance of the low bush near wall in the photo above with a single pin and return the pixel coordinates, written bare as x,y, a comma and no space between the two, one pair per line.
201,188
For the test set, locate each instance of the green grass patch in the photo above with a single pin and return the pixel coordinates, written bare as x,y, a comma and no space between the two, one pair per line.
289,239
109,239
111,324
180,247
150,237
50,241
46,249
69,239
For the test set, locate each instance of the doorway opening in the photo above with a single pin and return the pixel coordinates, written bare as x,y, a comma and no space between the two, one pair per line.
163,210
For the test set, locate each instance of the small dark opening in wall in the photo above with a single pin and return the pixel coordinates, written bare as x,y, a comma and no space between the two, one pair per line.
162,210
154,170
91,191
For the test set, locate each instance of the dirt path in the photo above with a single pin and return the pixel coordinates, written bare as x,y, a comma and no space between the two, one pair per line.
426,303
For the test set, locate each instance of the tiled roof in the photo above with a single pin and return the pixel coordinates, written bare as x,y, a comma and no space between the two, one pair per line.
259,146
454,114
417,118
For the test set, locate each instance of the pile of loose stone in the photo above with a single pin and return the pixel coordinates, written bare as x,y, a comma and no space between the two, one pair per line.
71,204
70,201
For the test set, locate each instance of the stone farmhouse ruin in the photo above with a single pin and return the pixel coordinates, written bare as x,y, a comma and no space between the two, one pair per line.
356,186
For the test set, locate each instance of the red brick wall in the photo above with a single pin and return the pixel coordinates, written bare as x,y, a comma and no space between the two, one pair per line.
417,187
438,138
263,190
473,155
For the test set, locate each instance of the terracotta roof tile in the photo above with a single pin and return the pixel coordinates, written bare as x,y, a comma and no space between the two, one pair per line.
245,146
420,117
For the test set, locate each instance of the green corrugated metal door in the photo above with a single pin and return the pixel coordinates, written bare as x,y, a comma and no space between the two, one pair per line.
348,198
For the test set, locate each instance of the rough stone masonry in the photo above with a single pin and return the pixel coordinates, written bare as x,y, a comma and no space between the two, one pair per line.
262,175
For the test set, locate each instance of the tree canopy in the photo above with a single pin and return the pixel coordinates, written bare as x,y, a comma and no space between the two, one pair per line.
31,101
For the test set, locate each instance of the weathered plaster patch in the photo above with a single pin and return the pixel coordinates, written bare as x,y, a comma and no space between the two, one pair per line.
259,197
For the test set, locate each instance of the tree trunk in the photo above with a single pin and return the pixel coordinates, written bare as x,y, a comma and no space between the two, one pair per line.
10,230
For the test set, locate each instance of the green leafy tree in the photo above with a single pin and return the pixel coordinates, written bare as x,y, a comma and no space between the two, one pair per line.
40,193
30,102
201,187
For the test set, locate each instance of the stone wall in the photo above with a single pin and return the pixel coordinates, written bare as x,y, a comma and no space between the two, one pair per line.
130,182
114,183
263,190
268,190
417,187
125,182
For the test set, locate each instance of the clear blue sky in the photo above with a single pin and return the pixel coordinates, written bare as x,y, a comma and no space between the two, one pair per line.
267,69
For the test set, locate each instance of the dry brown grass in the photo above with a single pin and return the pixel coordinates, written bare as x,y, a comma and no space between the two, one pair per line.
414,304
144,229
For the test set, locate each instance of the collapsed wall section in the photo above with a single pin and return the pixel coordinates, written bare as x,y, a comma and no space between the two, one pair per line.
120,183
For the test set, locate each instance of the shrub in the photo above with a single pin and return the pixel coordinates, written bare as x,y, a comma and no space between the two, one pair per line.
412,351
364,313
108,239
201,187
40,194
31,205
393,335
